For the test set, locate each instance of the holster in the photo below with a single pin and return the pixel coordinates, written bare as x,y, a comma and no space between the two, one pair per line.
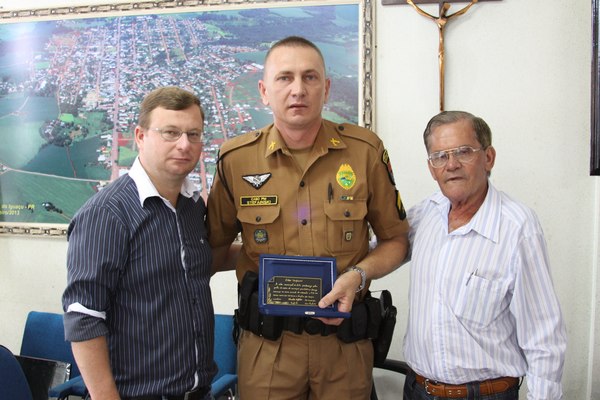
364,323
383,341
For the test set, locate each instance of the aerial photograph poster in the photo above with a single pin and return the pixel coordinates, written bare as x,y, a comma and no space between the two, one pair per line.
70,91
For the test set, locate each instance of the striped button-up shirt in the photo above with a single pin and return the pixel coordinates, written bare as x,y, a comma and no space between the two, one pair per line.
482,303
138,273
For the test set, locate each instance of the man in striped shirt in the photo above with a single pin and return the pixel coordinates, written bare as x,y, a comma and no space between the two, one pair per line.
483,311
138,307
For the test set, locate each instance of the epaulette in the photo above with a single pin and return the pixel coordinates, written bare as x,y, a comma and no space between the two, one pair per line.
239,141
359,133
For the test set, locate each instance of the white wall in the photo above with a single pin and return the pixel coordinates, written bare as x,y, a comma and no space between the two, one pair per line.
524,66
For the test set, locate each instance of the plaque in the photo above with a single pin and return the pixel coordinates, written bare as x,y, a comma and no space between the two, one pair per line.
293,286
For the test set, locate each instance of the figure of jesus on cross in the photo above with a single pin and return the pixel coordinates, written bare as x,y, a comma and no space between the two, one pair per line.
441,22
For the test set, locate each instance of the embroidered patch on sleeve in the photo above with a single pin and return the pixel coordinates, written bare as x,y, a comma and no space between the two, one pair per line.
400,206
386,160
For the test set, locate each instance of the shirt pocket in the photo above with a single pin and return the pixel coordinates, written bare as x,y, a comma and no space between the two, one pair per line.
262,230
346,226
479,301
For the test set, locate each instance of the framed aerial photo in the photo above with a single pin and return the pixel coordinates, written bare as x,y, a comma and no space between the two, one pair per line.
595,112
72,78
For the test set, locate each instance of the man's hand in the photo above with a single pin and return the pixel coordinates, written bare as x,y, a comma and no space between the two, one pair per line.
343,291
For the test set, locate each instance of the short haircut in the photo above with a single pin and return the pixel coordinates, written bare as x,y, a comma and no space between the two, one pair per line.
481,128
167,97
295,41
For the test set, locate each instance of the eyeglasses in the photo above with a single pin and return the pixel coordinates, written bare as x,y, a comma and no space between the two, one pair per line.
462,154
173,134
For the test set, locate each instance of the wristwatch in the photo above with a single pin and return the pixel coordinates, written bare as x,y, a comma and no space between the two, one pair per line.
363,276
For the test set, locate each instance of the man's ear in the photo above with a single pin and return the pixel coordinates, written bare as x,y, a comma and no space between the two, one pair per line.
262,89
139,135
490,158
327,87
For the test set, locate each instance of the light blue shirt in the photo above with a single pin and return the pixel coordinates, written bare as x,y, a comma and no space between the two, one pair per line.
482,303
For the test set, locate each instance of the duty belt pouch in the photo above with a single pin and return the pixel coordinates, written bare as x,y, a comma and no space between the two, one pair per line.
248,316
272,326
254,324
247,289
375,316
355,327
381,345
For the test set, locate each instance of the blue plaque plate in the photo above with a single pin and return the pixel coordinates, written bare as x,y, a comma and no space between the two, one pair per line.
293,286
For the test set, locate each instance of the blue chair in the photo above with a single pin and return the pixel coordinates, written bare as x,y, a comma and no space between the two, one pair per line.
44,337
225,354
224,383
72,387
13,384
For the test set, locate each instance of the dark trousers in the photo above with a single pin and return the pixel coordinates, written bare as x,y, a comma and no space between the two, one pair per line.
414,391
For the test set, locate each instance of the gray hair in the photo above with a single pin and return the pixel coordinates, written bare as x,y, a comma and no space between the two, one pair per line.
481,128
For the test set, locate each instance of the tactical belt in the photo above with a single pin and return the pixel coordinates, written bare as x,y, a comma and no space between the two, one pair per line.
311,326
371,318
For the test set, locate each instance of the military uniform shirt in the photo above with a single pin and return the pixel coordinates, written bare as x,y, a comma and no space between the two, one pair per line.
323,209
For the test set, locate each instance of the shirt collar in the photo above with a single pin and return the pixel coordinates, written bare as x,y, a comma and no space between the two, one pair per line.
323,142
146,188
486,219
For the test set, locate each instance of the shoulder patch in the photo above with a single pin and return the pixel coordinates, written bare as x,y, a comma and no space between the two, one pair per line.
385,158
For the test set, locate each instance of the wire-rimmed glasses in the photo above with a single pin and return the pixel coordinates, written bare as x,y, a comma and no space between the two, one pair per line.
462,154
173,134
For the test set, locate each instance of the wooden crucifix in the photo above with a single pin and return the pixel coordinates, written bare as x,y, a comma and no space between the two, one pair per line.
441,22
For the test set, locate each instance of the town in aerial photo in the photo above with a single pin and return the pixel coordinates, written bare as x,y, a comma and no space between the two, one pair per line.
70,91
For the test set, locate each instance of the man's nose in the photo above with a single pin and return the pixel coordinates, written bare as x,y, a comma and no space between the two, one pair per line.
183,141
298,87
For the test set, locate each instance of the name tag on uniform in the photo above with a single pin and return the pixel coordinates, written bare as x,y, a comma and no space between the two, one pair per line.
250,201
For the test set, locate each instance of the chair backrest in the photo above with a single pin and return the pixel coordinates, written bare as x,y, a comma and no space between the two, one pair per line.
44,337
225,348
13,384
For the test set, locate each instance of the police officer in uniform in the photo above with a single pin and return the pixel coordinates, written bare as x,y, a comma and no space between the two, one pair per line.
309,187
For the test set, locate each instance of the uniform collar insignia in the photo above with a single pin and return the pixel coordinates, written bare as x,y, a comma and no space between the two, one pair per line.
272,145
334,141
257,180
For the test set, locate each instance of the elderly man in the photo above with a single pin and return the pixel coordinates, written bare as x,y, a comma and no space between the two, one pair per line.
483,311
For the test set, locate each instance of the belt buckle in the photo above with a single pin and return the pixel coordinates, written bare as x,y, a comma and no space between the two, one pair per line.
427,387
